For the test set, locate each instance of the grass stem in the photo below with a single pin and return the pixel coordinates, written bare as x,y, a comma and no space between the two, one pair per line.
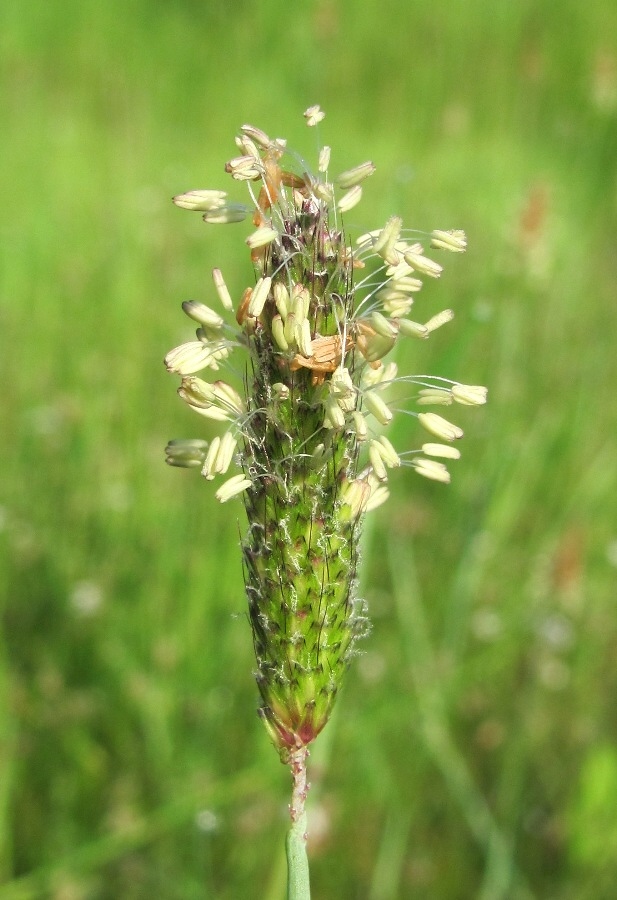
298,885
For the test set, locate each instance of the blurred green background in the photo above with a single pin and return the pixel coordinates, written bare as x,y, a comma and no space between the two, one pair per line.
473,753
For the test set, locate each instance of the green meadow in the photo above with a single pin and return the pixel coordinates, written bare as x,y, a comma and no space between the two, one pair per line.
473,752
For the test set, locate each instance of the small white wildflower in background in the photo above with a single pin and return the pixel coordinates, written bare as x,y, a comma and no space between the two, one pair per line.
86,598
207,821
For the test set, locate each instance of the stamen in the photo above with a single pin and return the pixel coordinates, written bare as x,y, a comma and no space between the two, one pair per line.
469,394
440,427
232,487
314,115
202,201
353,177
431,469
221,289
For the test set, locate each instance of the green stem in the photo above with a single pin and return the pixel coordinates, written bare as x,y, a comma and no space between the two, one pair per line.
298,882
298,886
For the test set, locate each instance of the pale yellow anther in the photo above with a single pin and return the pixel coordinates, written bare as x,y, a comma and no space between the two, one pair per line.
389,454
398,307
218,401
259,297
324,159
196,392
382,326
444,450
431,469
377,407
372,345
353,177
379,495
455,241
400,270
303,338
406,284
281,299
356,494
412,329
208,468
440,427
201,200
377,462
256,134
342,389
278,333
360,426
435,396
201,313
228,397
350,199
244,168
314,115
446,315
221,289
226,215
369,239
191,357
324,190
422,264
290,329
247,146
226,452
232,487
300,302
334,417
384,244
262,237
214,413
469,394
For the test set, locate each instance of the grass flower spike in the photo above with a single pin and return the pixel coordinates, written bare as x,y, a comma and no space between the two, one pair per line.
303,432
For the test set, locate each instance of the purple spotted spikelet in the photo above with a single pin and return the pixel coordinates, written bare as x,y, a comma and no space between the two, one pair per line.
304,430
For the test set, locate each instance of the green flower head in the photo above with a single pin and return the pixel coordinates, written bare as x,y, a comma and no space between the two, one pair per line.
304,431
